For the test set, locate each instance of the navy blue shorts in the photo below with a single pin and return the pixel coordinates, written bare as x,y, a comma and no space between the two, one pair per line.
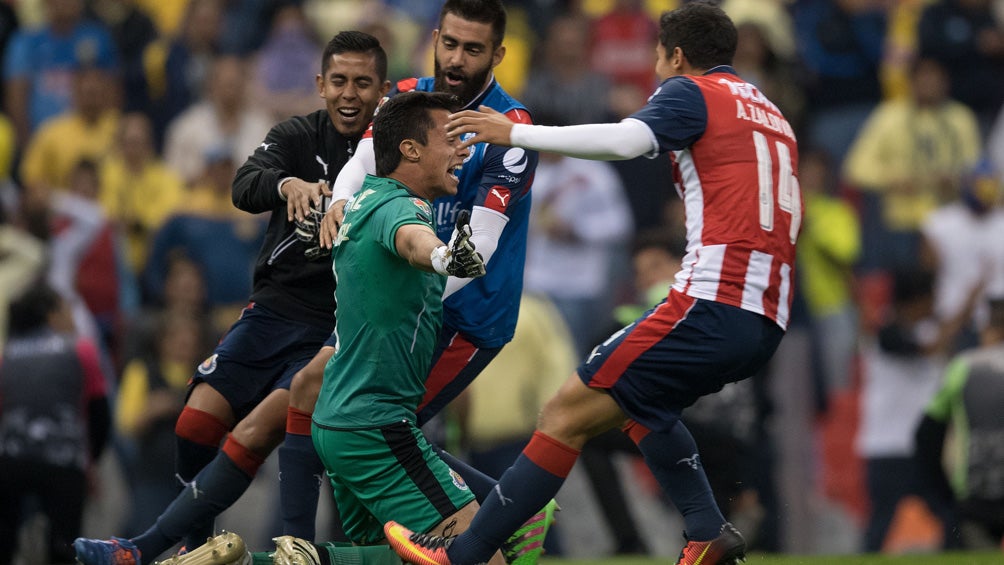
259,353
682,349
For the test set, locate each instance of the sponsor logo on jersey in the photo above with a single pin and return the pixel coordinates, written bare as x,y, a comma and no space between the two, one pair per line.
264,146
209,365
498,199
458,481
515,160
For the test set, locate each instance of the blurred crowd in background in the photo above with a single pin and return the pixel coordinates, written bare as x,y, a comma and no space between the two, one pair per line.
124,120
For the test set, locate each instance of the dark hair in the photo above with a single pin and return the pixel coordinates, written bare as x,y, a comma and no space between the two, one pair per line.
355,42
30,311
702,31
405,116
490,12
996,312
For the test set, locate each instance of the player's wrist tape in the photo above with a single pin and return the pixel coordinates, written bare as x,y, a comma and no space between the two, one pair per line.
441,258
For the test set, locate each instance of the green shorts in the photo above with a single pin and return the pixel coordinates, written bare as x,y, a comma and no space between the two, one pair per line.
388,473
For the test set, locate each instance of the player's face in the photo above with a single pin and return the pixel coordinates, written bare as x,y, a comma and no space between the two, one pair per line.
464,57
351,90
442,158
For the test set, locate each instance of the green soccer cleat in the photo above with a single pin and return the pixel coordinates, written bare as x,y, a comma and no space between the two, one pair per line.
527,545
225,549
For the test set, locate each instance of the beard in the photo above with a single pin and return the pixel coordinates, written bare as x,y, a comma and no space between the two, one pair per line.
469,87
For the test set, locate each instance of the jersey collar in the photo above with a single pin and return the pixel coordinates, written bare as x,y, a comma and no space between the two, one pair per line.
473,105
721,69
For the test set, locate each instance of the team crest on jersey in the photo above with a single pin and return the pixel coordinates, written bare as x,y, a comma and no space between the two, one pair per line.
422,205
515,160
209,365
458,481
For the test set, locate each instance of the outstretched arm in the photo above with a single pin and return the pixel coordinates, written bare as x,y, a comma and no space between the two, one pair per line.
623,140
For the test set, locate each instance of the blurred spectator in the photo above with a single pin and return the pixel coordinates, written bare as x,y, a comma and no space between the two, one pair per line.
150,398
184,295
222,240
246,24
85,131
103,279
138,190
168,16
54,422
21,260
498,411
968,39
840,43
39,64
774,21
827,251
561,84
279,84
224,118
902,366
9,24
968,406
964,244
133,31
620,46
178,66
907,160
759,64
579,223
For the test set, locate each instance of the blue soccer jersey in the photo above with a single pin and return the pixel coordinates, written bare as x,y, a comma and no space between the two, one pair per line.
497,178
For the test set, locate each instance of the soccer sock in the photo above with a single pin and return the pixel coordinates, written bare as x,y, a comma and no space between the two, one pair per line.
672,456
524,489
300,474
198,436
212,491
480,484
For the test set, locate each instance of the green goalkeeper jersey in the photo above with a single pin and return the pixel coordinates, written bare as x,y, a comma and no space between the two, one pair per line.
389,313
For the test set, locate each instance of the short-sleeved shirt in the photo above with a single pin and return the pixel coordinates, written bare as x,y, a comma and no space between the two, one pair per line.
389,313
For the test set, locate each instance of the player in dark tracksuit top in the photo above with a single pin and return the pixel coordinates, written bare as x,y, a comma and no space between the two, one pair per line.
243,388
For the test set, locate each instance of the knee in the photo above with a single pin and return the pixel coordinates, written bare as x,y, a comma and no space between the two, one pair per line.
305,388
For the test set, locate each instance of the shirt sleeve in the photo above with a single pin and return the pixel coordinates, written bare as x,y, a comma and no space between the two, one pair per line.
676,113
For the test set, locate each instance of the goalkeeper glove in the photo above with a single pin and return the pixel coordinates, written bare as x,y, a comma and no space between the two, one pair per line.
307,230
458,258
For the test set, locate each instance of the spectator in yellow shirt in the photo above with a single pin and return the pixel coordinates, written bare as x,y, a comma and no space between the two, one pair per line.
137,189
86,131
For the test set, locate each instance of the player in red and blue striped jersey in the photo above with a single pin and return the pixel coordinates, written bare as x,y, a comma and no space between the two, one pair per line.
735,158
479,314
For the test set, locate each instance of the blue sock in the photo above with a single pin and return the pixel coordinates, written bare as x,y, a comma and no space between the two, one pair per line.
300,474
214,490
672,457
524,489
480,484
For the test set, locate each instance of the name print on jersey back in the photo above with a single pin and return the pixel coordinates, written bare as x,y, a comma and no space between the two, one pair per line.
755,107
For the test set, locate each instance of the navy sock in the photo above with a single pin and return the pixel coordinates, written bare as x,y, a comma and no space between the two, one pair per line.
193,458
524,489
480,484
672,457
300,474
214,490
